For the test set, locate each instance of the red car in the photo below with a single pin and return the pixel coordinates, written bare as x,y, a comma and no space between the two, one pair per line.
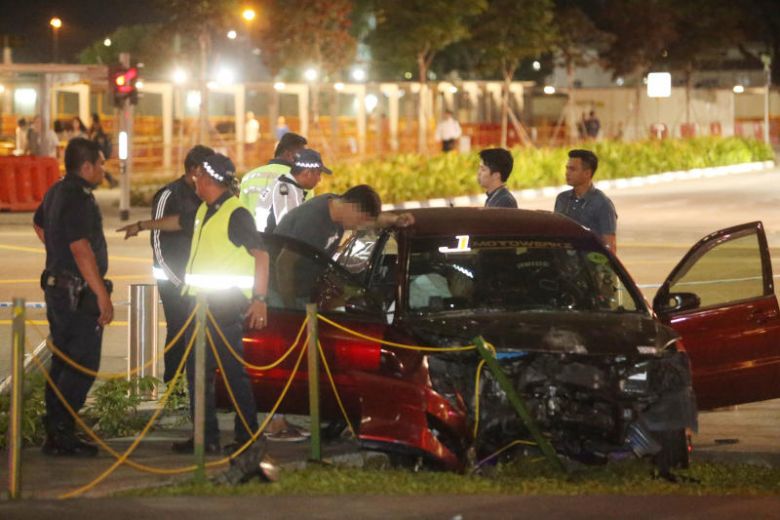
604,375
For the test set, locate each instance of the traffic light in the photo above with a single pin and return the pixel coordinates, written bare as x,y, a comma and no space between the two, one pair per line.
123,84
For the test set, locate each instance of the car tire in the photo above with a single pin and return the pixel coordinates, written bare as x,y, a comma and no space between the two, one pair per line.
674,452
332,430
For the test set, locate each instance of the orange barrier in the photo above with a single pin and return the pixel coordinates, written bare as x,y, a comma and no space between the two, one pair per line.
24,181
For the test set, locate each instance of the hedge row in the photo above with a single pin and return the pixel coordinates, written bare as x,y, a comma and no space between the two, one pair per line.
407,177
415,177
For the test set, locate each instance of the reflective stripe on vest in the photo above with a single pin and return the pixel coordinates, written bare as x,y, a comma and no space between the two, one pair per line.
215,262
159,274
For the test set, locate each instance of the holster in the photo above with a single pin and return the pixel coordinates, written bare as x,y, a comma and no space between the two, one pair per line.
80,296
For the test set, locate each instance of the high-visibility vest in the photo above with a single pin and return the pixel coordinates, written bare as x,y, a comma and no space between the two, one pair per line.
215,262
257,184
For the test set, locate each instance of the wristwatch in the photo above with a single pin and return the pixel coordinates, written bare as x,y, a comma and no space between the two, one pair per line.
259,298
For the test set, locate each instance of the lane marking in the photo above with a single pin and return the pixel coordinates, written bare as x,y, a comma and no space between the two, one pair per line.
45,322
41,250
36,280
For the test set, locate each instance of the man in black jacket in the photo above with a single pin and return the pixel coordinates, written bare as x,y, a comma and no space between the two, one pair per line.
173,216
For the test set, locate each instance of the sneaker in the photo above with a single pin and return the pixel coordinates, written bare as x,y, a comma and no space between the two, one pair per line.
68,445
289,433
188,447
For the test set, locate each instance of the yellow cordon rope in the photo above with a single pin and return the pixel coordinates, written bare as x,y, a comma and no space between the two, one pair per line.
276,405
240,359
393,344
92,435
335,390
110,375
227,383
121,460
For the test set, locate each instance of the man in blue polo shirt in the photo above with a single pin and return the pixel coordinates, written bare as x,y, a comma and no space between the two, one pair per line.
585,203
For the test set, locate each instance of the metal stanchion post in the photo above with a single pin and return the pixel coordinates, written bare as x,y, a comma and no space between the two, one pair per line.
199,418
15,412
314,382
142,337
518,403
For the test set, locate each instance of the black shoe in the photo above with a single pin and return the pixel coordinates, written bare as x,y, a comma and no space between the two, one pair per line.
188,446
68,445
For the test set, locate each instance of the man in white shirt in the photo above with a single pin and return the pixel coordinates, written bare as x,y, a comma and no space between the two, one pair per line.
251,129
448,132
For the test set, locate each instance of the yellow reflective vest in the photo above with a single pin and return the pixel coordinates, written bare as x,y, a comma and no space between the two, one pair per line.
215,262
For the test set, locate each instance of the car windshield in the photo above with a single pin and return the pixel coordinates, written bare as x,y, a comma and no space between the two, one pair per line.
467,273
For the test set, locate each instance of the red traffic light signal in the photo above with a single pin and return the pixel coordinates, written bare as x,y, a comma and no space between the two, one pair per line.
123,85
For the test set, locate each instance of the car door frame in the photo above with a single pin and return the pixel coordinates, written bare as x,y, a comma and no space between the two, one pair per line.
750,358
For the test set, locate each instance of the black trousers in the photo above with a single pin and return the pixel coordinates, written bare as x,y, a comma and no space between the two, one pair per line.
448,145
232,326
77,334
177,309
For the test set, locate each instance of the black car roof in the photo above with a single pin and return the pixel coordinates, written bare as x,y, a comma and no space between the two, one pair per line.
495,222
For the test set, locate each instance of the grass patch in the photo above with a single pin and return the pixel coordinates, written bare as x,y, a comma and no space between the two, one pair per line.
523,476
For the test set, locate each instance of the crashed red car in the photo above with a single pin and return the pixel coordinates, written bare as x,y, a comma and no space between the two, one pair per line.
604,375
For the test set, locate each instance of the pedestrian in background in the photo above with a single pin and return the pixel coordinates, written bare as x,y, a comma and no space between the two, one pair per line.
585,203
78,298
103,140
257,183
21,136
495,166
229,266
592,126
173,219
448,131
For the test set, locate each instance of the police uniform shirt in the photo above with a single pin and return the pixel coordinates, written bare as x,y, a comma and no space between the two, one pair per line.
500,198
67,214
594,210
241,228
286,195
172,248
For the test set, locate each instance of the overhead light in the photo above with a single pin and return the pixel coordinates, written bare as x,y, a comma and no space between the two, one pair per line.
232,35
107,42
279,86
536,65
248,14
25,97
619,82
338,86
358,74
226,76
407,75
371,102
310,74
55,22
549,89
738,89
179,76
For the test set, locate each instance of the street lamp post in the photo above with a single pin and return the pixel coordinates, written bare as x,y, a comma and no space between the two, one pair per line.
55,24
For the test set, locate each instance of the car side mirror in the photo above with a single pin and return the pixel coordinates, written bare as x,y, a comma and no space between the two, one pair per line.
681,301
360,304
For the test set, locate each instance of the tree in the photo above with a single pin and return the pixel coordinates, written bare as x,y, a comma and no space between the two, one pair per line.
412,32
642,30
200,18
760,24
141,41
508,32
706,29
576,45
320,37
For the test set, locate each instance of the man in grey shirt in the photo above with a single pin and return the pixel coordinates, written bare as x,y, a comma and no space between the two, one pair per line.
320,223
585,203
495,166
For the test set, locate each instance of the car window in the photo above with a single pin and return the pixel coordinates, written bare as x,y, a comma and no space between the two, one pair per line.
467,273
729,272
356,255
300,274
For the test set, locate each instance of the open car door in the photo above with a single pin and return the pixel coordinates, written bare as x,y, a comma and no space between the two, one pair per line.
720,299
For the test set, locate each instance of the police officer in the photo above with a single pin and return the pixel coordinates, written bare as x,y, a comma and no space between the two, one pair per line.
78,299
257,183
228,265
173,217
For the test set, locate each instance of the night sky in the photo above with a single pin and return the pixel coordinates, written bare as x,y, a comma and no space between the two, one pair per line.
83,22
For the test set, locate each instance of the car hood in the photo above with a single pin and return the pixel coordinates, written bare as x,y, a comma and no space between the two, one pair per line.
565,332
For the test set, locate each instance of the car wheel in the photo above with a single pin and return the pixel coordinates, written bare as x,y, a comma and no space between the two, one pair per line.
332,430
674,450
